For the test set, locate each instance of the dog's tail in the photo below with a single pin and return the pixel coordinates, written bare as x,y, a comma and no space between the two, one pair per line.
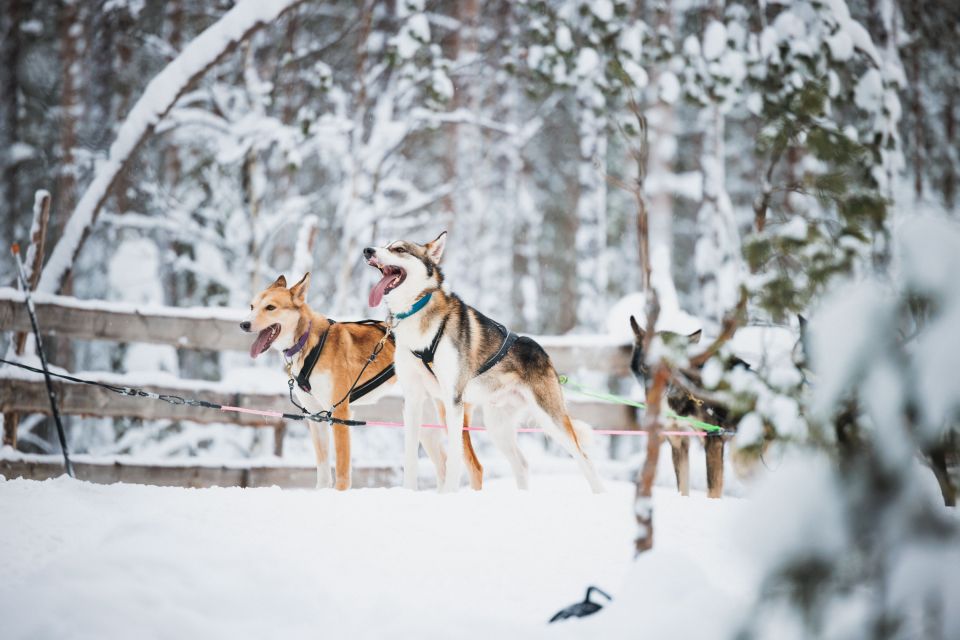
580,431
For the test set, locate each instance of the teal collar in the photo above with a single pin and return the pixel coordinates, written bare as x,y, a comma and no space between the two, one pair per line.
419,304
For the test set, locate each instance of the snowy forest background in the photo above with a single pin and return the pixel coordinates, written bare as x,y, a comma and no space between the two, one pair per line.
788,144
348,123
802,157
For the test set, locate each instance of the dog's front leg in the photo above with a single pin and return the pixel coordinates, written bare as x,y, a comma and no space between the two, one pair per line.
453,408
412,420
320,433
341,443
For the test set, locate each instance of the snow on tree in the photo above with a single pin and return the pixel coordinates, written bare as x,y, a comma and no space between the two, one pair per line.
593,49
882,561
828,110
157,100
715,77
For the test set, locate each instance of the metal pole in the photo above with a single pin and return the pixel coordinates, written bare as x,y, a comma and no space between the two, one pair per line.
15,249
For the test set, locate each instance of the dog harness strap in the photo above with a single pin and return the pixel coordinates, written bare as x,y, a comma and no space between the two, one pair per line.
509,338
372,383
303,377
377,380
426,356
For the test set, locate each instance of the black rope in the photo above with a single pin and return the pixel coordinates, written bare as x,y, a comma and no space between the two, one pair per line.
290,384
134,392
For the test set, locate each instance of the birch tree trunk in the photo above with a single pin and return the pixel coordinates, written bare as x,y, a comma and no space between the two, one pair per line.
451,159
173,25
717,254
253,177
591,213
718,259
950,177
11,17
660,168
355,182
476,222
70,31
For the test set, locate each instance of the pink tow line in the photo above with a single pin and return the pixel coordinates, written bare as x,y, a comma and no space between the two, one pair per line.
395,425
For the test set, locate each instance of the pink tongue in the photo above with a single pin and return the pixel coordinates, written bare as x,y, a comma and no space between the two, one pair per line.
260,343
376,294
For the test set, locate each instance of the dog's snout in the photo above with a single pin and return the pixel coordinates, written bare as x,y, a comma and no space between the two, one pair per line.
368,252
245,325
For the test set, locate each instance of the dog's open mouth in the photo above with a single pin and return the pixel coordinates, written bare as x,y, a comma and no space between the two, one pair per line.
264,339
392,278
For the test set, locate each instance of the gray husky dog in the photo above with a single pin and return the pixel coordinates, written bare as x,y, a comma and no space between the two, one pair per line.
451,352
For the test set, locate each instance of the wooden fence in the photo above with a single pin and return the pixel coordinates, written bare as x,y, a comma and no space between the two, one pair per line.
216,330
191,475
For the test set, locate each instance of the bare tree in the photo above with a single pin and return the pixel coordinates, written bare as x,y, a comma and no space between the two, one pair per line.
659,369
70,31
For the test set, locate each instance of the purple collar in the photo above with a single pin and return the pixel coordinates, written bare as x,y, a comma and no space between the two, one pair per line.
295,349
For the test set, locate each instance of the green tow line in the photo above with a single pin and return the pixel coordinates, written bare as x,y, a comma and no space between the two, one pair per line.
610,397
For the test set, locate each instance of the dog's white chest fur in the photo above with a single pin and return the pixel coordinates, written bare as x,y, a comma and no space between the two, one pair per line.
319,397
409,335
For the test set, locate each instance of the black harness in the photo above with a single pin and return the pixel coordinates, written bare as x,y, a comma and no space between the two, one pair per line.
303,377
509,337
427,355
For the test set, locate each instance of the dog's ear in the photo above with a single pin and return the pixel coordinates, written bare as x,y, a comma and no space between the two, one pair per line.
638,333
279,282
435,247
299,290
694,337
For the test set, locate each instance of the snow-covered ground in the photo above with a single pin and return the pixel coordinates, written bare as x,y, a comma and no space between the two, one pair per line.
89,561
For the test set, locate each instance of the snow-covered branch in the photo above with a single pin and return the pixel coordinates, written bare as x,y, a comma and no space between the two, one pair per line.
198,57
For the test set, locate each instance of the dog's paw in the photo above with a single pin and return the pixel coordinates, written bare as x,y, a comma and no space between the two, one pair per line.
323,479
449,487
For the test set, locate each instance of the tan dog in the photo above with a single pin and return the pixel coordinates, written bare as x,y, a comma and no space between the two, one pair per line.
284,321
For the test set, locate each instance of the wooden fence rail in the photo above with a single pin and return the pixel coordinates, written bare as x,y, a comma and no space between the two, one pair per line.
30,396
191,475
215,329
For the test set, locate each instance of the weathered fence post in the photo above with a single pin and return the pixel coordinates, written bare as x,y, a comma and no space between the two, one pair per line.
34,264
278,432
